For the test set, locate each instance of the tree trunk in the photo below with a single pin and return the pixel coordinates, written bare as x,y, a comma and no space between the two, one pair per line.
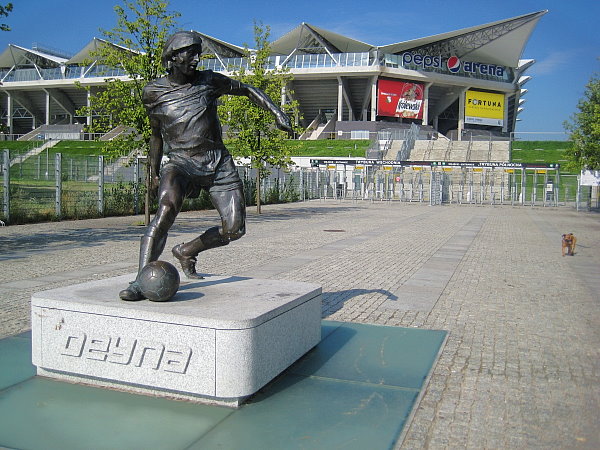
258,179
147,202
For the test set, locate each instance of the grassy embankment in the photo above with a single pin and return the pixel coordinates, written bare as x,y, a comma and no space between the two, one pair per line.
546,152
331,148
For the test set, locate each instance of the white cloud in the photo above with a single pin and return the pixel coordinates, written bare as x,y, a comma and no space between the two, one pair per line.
552,63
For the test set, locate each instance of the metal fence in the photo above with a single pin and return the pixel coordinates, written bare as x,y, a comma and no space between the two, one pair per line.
54,186
460,185
49,186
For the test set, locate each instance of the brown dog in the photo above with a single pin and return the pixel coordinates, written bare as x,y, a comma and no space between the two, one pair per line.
568,244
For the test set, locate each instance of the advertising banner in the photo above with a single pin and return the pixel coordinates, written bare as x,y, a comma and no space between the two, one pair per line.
399,99
484,108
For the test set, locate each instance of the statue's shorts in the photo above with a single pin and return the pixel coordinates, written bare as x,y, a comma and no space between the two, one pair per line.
213,170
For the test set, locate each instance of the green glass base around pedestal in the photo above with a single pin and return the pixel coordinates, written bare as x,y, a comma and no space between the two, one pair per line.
356,389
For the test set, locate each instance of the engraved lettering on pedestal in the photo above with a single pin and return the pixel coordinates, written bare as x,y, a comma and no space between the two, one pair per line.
176,359
148,354
121,350
74,344
126,351
97,348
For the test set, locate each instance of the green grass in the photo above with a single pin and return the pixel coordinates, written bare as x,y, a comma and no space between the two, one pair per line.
546,145
83,148
67,148
83,155
318,148
322,148
539,151
522,151
333,148
18,146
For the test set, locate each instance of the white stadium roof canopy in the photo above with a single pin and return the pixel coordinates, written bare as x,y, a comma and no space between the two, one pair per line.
501,42
307,38
332,72
15,55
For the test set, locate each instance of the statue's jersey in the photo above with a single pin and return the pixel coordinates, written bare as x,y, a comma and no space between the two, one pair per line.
188,113
191,130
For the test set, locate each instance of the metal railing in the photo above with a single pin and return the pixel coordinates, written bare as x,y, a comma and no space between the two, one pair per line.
300,61
51,186
55,186
61,73
409,142
438,185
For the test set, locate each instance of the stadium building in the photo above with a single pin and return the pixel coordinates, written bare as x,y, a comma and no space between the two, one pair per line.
467,82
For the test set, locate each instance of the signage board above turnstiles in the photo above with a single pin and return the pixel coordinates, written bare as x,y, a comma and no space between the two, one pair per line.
364,163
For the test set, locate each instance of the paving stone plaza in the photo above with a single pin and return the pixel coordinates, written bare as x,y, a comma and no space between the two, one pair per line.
520,368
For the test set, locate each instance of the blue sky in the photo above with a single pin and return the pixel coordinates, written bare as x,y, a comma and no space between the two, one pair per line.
565,44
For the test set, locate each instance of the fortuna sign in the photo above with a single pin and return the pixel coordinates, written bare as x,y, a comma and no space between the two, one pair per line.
453,64
484,103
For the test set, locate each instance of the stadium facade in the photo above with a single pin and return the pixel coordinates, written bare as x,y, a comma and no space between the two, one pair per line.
464,81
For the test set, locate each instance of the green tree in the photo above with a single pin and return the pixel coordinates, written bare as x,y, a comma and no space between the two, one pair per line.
4,10
134,45
251,128
584,129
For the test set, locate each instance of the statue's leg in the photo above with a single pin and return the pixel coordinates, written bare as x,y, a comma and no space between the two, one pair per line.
230,205
186,253
153,242
232,208
151,246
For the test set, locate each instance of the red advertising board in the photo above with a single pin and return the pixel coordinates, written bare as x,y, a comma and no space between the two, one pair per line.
399,99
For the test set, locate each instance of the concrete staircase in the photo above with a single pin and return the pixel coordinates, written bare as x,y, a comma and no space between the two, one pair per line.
420,150
440,151
116,132
460,151
392,152
480,151
33,152
54,132
500,151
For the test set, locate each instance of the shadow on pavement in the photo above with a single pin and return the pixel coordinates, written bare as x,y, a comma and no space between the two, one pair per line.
14,247
336,300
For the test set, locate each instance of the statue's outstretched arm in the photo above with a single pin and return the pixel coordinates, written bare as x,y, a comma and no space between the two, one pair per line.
259,98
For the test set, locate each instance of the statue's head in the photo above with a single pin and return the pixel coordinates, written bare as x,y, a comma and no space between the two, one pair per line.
178,42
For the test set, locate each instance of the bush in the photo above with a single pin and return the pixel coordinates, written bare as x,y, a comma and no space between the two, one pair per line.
290,194
119,199
273,195
250,191
79,204
199,203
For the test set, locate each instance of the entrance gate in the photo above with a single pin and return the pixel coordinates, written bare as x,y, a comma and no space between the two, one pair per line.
440,182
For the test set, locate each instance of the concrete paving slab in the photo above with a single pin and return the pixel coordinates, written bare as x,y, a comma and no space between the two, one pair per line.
504,380
429,273
426,281
414,296
447,266
25,284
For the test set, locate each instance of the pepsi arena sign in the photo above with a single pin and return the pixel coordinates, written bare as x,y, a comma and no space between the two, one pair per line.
453,64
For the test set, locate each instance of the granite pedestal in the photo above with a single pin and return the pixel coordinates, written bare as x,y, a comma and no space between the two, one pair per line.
219,340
